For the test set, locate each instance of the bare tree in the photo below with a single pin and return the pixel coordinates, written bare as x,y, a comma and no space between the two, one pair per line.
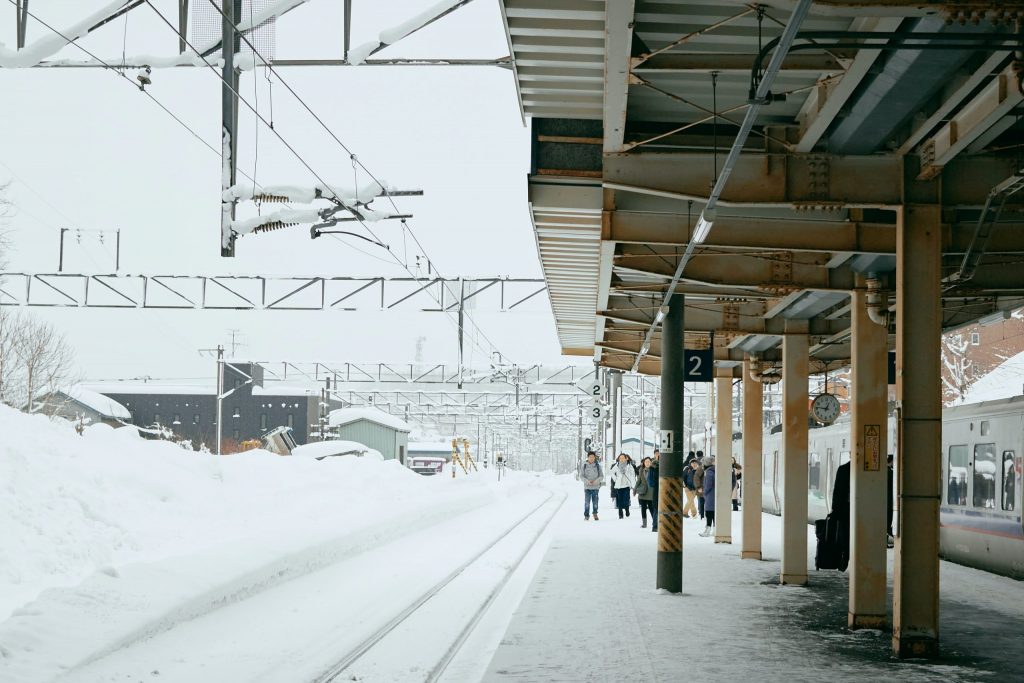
45,359
6,211
958,371
11,325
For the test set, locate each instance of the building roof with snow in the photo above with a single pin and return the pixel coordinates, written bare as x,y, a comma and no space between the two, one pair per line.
344,416
103,407
1004,381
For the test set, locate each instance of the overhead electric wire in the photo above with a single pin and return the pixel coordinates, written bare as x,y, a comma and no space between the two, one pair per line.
120,73
354,158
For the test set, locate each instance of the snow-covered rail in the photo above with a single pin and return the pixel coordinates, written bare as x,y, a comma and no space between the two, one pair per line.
541,516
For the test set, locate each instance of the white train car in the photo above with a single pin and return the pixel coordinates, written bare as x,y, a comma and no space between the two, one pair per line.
981,474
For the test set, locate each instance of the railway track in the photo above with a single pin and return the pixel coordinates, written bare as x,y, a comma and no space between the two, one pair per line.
546,511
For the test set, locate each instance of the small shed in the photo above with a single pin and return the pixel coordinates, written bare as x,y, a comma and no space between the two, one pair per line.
374,428
78,403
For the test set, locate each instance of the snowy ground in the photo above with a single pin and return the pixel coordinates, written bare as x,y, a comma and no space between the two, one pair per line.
122,559
592,614
126,560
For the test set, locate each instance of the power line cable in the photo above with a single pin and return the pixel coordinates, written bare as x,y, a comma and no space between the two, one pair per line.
120,73
355,160
298,156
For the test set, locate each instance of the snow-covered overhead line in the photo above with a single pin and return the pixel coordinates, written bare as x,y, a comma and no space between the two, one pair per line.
258,292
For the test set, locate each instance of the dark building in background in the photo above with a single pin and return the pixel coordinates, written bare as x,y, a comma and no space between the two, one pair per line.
249,412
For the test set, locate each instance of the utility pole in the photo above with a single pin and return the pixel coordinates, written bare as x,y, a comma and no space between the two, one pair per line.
220,396
60,260
230,44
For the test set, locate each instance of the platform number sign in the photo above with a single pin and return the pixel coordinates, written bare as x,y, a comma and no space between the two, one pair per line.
667,440
699,365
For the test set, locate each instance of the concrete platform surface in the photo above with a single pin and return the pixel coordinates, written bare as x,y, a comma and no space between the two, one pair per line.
592,614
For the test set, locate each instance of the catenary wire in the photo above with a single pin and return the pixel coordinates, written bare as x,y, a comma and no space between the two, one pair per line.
355,159
314,173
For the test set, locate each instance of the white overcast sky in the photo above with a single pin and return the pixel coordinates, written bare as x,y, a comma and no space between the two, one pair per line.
105,157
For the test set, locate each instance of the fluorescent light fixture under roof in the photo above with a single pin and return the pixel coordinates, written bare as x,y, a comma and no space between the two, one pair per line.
645,348
662,312
704,224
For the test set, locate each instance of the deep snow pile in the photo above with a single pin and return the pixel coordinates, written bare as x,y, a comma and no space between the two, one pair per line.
71,505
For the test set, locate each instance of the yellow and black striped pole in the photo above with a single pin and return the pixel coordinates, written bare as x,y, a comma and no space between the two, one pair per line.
670,469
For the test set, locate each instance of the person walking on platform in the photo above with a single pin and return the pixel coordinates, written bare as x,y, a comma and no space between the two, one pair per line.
623,480
645,493
698,484
593,480
689,489
652,482
709,495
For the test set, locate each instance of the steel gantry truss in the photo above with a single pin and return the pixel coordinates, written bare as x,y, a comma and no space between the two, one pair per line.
258,292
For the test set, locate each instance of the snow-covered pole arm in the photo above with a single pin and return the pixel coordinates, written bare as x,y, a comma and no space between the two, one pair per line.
358,54
54,41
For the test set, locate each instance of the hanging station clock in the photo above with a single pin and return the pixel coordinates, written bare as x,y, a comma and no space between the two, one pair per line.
825,408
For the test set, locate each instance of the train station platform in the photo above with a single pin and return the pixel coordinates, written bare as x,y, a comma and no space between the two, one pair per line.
592,613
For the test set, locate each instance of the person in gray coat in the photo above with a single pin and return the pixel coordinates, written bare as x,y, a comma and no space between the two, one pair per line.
593,480
709,495
645,492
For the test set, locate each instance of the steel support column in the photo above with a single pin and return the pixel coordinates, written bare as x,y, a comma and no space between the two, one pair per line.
230,41
753,430
794,455
615,399
670,471
919,420
723,456
868,469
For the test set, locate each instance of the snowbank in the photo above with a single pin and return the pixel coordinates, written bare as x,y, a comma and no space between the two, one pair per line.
113,536
327,449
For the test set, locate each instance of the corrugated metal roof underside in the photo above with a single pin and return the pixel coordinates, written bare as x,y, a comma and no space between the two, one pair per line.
569,243
558,47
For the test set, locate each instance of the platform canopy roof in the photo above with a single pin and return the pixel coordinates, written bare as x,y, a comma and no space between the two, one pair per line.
634,106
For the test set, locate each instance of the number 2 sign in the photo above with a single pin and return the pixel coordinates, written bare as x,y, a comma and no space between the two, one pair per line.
699,365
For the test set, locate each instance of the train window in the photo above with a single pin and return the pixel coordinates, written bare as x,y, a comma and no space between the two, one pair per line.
766,472
984,427
956,477
984,475
1009,490
814,472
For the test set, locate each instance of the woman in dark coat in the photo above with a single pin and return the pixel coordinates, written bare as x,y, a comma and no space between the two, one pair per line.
709,495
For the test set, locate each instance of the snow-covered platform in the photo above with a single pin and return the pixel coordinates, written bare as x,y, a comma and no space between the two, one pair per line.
591,613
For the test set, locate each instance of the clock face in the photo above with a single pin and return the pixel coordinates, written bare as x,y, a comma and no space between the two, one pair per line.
825,408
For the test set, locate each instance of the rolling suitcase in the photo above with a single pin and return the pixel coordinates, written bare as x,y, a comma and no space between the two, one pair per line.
829,553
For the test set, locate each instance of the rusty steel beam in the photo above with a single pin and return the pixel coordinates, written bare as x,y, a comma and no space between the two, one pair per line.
996,101
811,181
795,234
707,62
777,272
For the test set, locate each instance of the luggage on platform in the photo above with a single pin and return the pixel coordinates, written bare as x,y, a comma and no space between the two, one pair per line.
829,553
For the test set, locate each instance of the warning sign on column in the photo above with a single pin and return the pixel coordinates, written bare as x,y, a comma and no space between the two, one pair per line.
872,448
